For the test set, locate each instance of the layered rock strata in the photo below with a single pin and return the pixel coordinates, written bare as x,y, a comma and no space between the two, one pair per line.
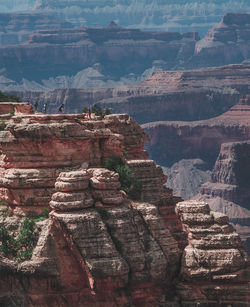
16,27
98,247
166,95
227,42
228,191
120,51
213,269
171,141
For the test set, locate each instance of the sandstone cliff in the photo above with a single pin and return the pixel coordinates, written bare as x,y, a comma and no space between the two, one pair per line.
120,51
173,141
228,190
227,42
168,95
99,247
16,27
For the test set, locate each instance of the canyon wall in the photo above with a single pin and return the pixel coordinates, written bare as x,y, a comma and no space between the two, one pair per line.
168,95
98,246
173,141
15,28
112,56
120,51
227,42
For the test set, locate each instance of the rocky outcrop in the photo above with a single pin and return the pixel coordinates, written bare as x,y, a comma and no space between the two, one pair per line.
168,95
118,51
213,259
173,141
227,42
143,15
228,190
98,246
186,176
112,56
16,27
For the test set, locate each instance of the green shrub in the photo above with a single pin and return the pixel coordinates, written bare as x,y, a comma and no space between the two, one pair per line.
6,213
8,244
19,248
113,163
85,110
129,183
12,113
2,125
106,112
43,216
97,110
9,98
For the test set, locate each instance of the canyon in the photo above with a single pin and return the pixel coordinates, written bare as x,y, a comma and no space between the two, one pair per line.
157,250
15,28
169,95
111,56
180,15
219,144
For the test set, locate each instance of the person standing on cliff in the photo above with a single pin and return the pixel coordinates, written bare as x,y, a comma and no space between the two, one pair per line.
35,106
89,114
45,108
61,108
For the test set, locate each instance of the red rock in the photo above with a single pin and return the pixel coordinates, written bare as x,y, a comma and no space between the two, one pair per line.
115,253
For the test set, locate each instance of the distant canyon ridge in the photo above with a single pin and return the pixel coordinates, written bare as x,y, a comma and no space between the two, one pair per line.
112,56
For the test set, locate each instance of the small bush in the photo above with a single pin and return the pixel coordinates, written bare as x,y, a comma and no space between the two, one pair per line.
2,125
6,213
106,112
129,183
97,110
3,203
8,244
43,216
85,110
113,163
19,248
12,113
9,98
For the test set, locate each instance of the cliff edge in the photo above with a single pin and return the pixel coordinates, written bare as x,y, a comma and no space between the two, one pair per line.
98,245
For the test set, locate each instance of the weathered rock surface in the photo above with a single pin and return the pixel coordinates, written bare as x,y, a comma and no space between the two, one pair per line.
172,141
227,42
16,27
168,95
186,176
112,56
119,51
213,259
98,247
228,189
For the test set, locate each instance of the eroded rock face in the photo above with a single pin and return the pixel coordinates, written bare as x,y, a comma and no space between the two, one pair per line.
227,42
166,95
214,255
98,247
228,191
120,51
16,27
171,141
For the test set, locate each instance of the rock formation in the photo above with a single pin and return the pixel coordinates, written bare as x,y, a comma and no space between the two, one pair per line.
118,51
16,27
212,260
171,141
113,56
180,14
226,43
98,246
168,95
228,190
